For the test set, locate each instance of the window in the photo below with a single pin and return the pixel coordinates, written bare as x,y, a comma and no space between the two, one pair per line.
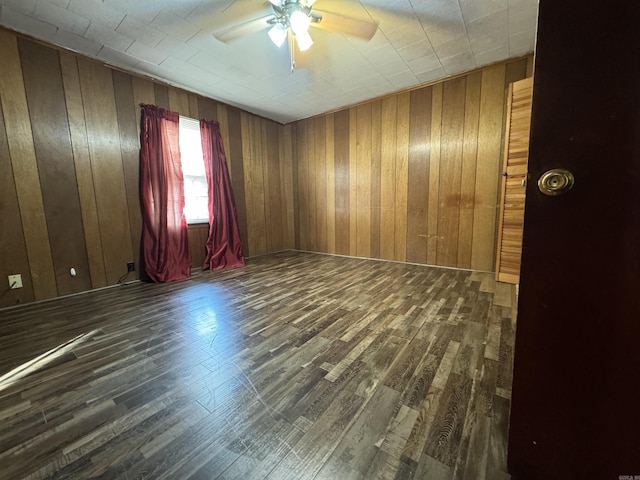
196,197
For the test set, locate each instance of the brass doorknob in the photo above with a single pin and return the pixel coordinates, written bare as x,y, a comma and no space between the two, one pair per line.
556,182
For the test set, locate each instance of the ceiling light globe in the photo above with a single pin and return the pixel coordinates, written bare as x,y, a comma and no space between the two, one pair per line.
299,22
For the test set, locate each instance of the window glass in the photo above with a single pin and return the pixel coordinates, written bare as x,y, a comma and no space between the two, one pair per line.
196,196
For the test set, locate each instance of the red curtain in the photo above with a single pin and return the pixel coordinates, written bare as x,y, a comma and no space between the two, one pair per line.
165,245
224,248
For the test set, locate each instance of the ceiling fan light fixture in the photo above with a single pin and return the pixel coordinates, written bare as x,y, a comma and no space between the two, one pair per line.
304,41
278,34
299,22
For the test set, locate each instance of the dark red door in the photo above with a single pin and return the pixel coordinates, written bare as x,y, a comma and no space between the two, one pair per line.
576,393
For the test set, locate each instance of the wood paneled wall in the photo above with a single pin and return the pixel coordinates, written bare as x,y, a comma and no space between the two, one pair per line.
69,146
412,177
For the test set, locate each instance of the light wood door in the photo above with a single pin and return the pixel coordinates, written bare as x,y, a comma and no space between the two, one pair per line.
516,151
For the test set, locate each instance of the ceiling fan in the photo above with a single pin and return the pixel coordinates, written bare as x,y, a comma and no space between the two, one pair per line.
291,20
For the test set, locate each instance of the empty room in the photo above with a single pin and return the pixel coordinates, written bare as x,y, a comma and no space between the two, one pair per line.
298,239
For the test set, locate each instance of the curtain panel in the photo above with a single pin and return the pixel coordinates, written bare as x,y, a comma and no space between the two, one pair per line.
224,248
165,251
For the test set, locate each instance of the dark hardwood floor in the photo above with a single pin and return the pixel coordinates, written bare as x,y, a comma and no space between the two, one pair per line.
298,366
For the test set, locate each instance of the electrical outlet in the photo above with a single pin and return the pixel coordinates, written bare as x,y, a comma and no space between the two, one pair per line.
131,267
15,281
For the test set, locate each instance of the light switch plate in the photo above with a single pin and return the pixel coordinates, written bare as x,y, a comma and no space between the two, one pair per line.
17,279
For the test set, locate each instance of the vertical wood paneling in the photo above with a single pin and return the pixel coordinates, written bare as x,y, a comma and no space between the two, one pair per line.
269,213
320,129
197,235
52,142
468,174
256,184
300,162
273,211
490,129
162,96
193,106
363,180
260,158
294,177
130,151
143,92
402,175
223,120
353,182
388,177
312,211
303,185
434,175
25,170
247,152
195,246
234,152
414,175
84,176
529,70
376,145
288,193
418,186
342,177
12,245
453,103
179,102
330,183
106,161
515,71
207,109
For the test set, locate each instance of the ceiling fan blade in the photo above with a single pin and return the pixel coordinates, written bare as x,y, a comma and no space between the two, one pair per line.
243,29
335,22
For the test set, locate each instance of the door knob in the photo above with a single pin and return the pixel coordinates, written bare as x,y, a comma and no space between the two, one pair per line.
556,182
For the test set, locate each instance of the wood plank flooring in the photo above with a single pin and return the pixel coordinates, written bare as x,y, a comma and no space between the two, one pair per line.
297,366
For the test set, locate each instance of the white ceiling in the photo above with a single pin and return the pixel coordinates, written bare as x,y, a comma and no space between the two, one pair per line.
417,41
